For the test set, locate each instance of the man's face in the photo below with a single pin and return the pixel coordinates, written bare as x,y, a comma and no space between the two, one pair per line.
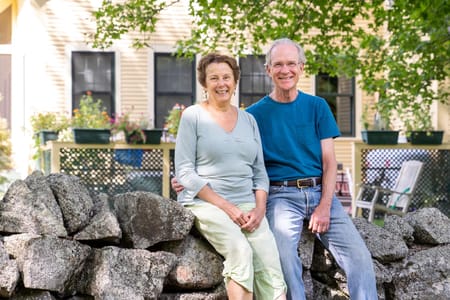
285,69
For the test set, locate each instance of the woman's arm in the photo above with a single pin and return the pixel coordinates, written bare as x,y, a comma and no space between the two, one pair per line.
185,156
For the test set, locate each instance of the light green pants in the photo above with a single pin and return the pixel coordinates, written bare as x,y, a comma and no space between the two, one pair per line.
251,259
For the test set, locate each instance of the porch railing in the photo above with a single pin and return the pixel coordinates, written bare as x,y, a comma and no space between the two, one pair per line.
380,164
114,168
117,167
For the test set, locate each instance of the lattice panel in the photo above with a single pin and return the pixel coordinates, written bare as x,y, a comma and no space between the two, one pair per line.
114,171
381,167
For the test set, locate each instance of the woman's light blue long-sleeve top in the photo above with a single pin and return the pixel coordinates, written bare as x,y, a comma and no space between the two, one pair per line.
231,163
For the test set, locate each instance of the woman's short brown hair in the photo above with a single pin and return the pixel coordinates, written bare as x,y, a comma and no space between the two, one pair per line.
210,58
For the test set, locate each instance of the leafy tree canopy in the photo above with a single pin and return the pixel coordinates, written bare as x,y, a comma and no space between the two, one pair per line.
397,47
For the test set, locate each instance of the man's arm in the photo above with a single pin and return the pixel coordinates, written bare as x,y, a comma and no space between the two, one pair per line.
320,219
176,186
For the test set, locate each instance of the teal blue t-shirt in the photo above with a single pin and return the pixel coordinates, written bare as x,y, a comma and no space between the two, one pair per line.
291,135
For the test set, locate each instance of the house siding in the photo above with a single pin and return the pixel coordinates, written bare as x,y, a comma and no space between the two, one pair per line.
343,151
68,22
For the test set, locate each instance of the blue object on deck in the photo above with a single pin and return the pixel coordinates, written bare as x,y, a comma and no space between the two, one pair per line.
132,157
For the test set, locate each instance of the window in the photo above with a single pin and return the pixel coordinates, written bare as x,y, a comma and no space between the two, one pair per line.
174,83
339,92
254,83
94,71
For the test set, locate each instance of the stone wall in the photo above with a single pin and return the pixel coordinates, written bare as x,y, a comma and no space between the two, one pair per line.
58,241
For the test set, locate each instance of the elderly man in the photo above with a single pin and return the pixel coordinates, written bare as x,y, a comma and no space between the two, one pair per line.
297,132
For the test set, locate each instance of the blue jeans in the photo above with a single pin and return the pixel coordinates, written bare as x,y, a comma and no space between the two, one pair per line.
287,208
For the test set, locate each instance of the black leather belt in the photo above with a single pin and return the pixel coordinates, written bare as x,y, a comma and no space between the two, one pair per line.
300,183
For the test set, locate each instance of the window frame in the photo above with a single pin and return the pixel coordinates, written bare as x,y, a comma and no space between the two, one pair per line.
336,94
96,94
255,96
159,119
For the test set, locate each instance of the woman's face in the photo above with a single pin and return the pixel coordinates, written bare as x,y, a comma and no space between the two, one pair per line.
220,83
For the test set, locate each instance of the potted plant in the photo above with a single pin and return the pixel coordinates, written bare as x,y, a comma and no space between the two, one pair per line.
136,132
380,132
419,128
46,127
91,123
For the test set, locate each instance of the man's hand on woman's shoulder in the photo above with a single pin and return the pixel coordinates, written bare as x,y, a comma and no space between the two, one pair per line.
176,186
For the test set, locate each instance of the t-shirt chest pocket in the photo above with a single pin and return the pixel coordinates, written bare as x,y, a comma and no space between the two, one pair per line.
305,132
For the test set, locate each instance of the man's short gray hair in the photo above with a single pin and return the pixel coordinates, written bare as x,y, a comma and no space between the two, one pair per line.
301,53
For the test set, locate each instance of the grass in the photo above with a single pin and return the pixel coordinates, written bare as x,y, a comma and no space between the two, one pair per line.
379,222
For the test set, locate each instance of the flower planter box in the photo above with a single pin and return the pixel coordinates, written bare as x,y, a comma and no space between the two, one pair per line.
426,137
47,135
91,136
153,136
380,137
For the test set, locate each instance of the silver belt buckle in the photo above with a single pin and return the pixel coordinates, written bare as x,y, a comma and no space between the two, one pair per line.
299,185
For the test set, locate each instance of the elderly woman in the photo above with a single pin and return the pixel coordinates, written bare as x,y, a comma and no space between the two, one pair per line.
219,161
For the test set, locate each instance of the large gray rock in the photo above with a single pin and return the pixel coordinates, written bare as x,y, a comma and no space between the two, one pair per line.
147,219
323,261
430,225
16,246
399,227
382,244
9,277
306,247
424,275
308,282
325,292
103,226
36,181
33,295
382,273
3,254
30,207
117,273
383,276
74,200
54,264
327,275
191,271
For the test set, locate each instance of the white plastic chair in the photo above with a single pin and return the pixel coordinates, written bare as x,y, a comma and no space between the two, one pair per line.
399,197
